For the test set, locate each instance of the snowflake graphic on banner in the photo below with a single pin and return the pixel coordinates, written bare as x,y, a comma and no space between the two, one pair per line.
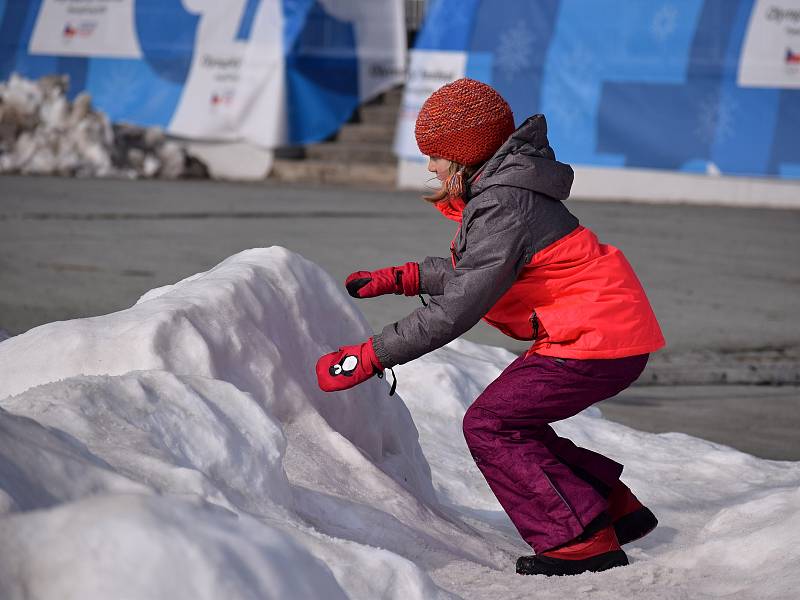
566,118
572,90
715,119
514,50
664,22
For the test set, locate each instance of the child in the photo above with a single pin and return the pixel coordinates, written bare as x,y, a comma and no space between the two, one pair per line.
522,262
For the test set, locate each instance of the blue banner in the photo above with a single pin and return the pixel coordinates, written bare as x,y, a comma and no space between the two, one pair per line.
702,86
269,71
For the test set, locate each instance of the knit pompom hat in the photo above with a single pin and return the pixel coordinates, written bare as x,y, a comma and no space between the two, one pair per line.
465,121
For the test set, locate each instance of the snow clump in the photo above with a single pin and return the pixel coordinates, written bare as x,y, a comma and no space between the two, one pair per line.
43,133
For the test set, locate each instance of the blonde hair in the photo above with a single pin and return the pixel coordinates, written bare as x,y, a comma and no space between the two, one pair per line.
455,185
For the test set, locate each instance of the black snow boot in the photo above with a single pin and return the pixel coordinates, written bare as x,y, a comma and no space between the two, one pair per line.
632,520
597,549
635,525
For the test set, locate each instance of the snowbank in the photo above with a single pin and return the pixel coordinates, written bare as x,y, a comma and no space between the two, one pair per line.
181,448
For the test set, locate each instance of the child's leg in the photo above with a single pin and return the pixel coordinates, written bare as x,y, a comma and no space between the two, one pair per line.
533,472
597,470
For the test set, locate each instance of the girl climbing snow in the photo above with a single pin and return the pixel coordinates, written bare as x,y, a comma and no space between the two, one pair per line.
522,262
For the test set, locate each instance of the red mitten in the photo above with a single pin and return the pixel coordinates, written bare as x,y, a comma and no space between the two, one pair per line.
347,367
391,280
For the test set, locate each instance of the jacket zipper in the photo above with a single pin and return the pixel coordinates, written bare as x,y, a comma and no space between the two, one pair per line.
534,319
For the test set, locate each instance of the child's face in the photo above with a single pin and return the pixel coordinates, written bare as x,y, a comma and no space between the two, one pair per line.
440,166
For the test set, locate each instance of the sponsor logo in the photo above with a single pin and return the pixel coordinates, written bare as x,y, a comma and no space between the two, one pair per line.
780,15
82,29
224,98
385,70
792,58
221,62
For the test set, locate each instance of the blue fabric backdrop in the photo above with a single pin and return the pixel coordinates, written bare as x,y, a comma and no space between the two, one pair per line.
628,83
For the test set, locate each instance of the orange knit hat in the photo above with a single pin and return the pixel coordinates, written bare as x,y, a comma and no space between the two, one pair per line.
465,121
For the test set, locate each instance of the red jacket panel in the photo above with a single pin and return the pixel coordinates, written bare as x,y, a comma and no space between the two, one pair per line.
578,298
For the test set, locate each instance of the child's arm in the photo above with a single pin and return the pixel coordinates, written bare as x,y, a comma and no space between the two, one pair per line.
434,273
497,247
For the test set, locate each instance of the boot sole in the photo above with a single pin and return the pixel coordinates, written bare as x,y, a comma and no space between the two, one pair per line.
635,525
544,565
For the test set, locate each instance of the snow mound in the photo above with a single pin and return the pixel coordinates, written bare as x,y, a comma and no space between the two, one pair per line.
204,395
181,448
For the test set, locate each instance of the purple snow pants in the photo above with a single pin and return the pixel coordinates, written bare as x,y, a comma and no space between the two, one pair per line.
549,487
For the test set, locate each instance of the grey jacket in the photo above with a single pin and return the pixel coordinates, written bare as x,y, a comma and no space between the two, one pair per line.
513,210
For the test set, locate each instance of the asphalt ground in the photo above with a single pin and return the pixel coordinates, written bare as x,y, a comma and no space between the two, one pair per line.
724,282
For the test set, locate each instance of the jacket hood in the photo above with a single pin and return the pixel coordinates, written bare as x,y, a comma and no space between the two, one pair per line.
526,161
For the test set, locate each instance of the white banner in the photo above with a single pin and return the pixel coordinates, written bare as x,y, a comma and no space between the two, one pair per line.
234,85
103,28
379,29
427,72
770,55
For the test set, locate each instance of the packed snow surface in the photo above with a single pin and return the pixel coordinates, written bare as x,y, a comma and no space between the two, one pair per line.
182,449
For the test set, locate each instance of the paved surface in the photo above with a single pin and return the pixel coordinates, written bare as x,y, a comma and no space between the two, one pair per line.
759,420
724,282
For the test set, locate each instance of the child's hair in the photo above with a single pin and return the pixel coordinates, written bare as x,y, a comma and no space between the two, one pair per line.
455,186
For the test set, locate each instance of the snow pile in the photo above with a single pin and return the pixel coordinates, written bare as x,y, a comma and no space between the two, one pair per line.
192,423
182,449
42,132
